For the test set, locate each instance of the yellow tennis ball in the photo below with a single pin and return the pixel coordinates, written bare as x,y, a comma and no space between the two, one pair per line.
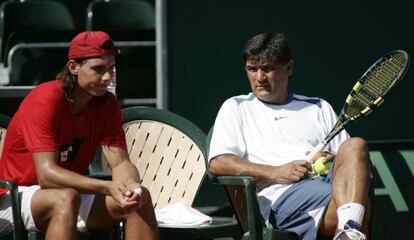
321,168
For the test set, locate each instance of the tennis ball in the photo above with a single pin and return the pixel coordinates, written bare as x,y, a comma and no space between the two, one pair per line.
321,168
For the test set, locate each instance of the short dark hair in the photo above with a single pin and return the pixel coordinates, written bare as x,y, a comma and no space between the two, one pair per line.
271,47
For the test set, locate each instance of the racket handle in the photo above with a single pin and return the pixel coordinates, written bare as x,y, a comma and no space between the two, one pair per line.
317,149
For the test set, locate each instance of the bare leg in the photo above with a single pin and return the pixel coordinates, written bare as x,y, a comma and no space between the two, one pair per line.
329,221
351,173
55,212
350,182
145,218
367,217
140,224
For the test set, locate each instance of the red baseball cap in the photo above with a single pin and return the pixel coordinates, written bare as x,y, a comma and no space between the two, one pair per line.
91,44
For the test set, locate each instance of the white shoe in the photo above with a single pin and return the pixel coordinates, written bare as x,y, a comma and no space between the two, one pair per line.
349,234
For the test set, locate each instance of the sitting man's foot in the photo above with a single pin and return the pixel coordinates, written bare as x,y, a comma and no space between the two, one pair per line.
350,232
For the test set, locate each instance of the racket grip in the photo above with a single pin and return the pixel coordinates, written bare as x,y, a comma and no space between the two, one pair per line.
317,149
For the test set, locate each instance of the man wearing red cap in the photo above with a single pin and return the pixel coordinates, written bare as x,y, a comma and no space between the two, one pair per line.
51,141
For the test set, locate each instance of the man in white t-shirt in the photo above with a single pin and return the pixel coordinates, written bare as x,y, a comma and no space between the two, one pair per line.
267,135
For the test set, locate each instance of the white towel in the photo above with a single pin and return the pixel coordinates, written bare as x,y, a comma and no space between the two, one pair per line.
181,215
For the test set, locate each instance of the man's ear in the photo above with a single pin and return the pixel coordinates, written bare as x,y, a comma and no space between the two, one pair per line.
289,66
73,67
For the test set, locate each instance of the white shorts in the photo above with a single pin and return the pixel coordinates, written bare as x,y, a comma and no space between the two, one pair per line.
26,193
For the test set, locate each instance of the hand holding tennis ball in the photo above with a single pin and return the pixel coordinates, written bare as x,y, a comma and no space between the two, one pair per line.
321,168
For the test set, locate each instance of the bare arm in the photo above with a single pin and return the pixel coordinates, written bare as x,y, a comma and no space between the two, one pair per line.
51,175
126,178
233,165
122,168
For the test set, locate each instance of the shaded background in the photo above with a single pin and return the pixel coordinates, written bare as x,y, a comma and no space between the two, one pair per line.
334,42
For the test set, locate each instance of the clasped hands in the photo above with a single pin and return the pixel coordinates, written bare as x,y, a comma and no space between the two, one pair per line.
129,196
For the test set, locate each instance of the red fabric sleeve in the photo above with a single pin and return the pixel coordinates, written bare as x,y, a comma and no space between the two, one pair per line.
39,126
114,135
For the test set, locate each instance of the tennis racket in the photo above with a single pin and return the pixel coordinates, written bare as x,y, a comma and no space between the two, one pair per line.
368,93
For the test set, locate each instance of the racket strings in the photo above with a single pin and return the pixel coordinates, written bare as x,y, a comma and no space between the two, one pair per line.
381,78
360,99
369,91
374,85
354,109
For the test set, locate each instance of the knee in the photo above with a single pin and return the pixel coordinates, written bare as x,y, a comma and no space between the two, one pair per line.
146,196
67,202
353,151
354,145
145,205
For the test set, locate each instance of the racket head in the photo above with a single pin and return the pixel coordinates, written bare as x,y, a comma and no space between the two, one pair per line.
370,90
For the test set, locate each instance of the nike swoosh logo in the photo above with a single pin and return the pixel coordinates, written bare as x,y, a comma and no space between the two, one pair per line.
281,117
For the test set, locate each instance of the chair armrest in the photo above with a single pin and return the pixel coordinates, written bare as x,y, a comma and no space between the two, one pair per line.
248,182
15,203
254,217
8,184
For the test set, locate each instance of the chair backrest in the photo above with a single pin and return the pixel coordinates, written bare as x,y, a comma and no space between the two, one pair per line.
129,15
168,151
32,16
4,123
31,65
77,9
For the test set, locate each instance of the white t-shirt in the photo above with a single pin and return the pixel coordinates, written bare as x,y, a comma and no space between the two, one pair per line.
272,134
